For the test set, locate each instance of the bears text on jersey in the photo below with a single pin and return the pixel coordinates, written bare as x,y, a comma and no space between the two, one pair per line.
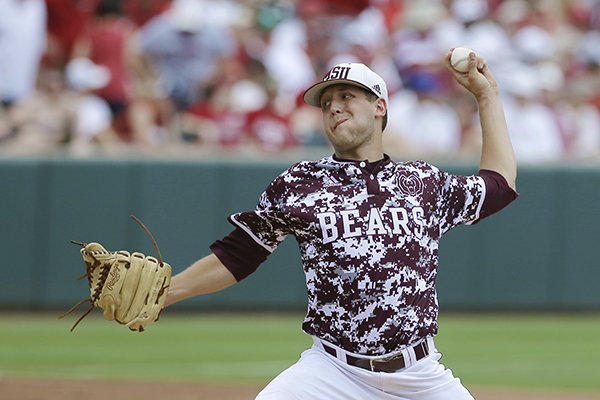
391,221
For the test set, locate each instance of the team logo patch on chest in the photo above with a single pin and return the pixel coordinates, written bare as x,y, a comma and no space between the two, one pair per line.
409,183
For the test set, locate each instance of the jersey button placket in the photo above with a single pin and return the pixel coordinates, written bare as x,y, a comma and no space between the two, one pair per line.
372,184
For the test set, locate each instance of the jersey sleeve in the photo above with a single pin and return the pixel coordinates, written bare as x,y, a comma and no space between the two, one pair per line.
266,224
239,253
459,200
498,193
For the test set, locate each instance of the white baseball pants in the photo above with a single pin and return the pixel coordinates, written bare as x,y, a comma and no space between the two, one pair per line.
320,376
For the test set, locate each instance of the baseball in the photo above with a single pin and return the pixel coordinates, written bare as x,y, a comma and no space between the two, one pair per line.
460,58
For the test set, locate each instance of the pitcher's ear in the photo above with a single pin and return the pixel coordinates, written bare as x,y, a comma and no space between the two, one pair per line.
381,107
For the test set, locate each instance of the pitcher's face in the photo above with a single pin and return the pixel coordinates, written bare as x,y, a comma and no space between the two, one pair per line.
349,117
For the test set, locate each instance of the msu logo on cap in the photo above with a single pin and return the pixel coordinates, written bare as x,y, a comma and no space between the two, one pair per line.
337,72
351,73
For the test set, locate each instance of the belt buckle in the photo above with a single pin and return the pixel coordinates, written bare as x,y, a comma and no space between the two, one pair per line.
372,361
372,364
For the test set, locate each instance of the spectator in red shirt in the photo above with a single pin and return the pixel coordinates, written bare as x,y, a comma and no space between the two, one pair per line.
103,41
141,11
66,21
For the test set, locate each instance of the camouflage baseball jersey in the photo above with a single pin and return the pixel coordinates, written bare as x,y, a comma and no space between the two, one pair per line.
369,244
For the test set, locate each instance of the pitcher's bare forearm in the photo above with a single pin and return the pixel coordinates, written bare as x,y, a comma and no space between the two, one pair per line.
206,275
497,153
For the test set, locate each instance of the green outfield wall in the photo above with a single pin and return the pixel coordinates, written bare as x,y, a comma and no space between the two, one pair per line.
540,253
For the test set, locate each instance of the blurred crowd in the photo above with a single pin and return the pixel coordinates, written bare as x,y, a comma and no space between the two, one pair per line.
228,75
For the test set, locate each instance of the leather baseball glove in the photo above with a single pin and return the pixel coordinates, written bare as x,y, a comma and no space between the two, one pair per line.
130,288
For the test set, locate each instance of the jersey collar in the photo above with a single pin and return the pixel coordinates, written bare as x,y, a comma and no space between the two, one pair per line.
366,164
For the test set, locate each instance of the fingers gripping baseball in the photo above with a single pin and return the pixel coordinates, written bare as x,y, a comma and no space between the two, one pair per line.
475,76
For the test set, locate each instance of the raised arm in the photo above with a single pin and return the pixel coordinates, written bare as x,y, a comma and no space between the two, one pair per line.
206,275
497,153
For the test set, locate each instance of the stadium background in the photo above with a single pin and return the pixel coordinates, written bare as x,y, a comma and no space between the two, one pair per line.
518,292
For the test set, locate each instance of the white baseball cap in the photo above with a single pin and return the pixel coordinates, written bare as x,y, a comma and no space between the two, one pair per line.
83,74
187,15
356,74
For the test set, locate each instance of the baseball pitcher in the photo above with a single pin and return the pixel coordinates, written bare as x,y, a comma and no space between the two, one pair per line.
368,230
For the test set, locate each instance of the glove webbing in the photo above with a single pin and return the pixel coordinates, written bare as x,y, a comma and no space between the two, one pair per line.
104,270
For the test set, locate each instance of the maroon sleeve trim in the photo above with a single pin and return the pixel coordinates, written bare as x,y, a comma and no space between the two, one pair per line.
239,253
497,193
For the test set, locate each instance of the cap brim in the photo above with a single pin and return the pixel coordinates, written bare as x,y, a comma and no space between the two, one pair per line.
312,96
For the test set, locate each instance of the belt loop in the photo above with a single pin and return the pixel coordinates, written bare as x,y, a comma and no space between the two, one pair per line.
409,356
317,342
430,345
340,354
